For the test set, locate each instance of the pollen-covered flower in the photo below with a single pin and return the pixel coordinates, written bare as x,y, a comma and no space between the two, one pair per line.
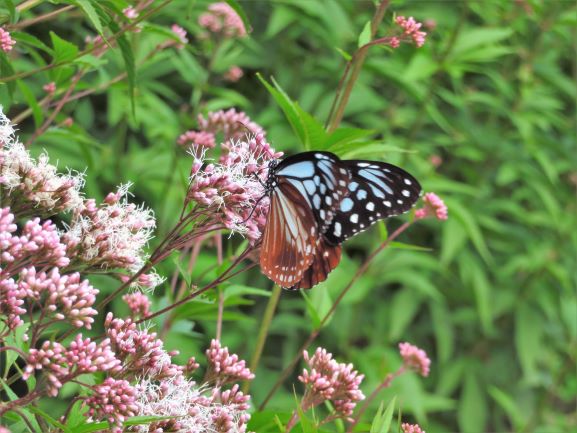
110,235
222,20
6,41
330,380
415,359
411,428
113,400
225,367
33,187
62,364
411,29
142,353
233,74
434,206
232,188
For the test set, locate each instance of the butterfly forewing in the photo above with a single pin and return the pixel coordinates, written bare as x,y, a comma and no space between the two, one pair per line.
376,190
290,236
321,180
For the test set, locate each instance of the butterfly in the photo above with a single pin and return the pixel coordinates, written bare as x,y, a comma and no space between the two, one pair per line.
317,201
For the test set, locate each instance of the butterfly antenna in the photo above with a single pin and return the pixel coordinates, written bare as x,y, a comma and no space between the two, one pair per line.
253,208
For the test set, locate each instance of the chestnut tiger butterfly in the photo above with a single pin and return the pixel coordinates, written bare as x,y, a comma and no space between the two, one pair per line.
317,201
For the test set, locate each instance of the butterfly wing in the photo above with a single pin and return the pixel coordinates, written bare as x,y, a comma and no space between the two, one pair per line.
290,236
326,258
376,190
321,180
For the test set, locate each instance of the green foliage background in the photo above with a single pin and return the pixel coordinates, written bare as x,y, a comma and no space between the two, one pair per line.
492,93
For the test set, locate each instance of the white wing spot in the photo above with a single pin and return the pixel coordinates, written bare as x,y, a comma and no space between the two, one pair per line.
363,164
326,254
322,214
346,205
342,182
399,201
406,193
361,194
317,180
338,229
328,200
370,206
343,171
317,201
353,186
323,188
354,218
408,182
387,203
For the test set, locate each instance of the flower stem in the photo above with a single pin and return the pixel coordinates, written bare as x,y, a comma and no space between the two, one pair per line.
355,69
263,332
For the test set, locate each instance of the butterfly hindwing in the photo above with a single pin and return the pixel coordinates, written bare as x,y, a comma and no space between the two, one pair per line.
321,180
326,258
376,190
290,237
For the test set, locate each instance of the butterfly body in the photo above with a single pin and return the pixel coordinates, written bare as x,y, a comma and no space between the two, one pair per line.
317,202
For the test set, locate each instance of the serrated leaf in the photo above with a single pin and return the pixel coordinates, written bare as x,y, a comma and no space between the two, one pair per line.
365,35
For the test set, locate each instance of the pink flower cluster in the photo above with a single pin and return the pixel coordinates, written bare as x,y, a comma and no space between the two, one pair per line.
31,187
434,206
222,20
180,34
63,364
114,400
415,359
195,141
231,186
224,367
233,124
330,380
233,74
411,428
6,41
411,29
138,303
141,352
111,235
50,88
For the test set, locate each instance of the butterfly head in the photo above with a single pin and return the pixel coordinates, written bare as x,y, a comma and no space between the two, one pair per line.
271,179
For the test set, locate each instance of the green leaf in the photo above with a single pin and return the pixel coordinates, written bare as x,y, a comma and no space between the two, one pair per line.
36,410
472,414
27,38
516,415
365,36
129,63
343,53
88,6
343,137
311,309
37,111
239,290
382,421
528,332
63,51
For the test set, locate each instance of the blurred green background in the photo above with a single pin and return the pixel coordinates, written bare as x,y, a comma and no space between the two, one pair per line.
483,115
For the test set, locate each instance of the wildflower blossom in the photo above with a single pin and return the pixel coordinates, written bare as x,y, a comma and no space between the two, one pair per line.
110,235
232,123
222,20
194,141
434,206
50,88
65,363
411,29
33,187
181,35
6,41
233,74
113,400
224,367
415,359
411,428
138,303
130,12
330,380
230,186
193,408
141,352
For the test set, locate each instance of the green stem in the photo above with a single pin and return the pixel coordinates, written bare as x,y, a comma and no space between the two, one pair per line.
263,332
